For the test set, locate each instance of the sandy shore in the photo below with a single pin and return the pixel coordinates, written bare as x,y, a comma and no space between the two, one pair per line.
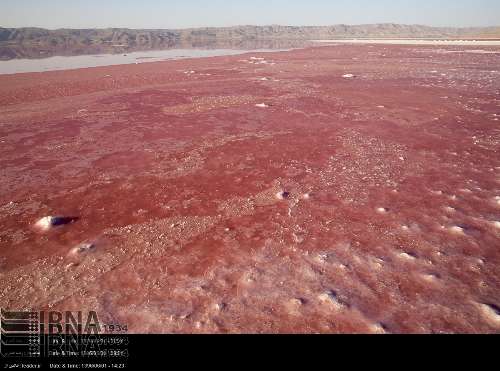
345,189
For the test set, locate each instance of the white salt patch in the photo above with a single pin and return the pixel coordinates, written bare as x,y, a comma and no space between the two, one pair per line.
306,196
82,248
282,195
430,277
322,258
490,313
377,328
45,223
407,256
219,306
341,266
456,230
49,222
496,224
380,106
348,76
330,297
261,105
257,58
297,302
382,210
69,266
450,209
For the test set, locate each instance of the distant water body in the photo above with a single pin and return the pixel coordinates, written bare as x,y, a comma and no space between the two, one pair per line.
86,61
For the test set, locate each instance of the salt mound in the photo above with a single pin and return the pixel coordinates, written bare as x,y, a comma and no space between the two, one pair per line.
331,297
457,230
491,313
82,248
282,195
407,256
49,222
348,76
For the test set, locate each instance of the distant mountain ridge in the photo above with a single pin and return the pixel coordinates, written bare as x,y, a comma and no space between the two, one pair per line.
39,42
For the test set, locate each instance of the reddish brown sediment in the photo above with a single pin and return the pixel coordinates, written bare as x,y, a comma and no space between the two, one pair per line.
259,195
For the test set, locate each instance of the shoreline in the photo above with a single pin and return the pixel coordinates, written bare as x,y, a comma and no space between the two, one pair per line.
434,42
51,64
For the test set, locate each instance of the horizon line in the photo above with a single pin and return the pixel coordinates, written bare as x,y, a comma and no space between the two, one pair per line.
248,25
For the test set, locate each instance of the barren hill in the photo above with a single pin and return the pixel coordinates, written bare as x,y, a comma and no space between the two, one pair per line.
38,42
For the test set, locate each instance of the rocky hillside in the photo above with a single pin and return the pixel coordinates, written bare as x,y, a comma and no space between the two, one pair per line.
37,42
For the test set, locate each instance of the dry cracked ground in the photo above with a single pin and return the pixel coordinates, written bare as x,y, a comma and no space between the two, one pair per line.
337,189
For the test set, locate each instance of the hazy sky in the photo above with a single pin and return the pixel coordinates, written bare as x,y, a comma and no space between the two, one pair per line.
195,13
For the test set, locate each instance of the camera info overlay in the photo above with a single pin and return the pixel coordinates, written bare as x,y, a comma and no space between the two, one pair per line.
61,340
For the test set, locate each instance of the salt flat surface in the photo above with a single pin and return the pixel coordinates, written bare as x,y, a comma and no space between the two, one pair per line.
413,42
263,193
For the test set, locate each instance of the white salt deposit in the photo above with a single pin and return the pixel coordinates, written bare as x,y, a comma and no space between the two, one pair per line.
418,42
49,222
491,313
377,328
407,256
261,105
330,297
456,230
348,76
82,248
282,195
430,277
45,223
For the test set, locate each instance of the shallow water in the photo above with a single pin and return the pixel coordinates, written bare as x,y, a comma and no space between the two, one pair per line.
86,61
